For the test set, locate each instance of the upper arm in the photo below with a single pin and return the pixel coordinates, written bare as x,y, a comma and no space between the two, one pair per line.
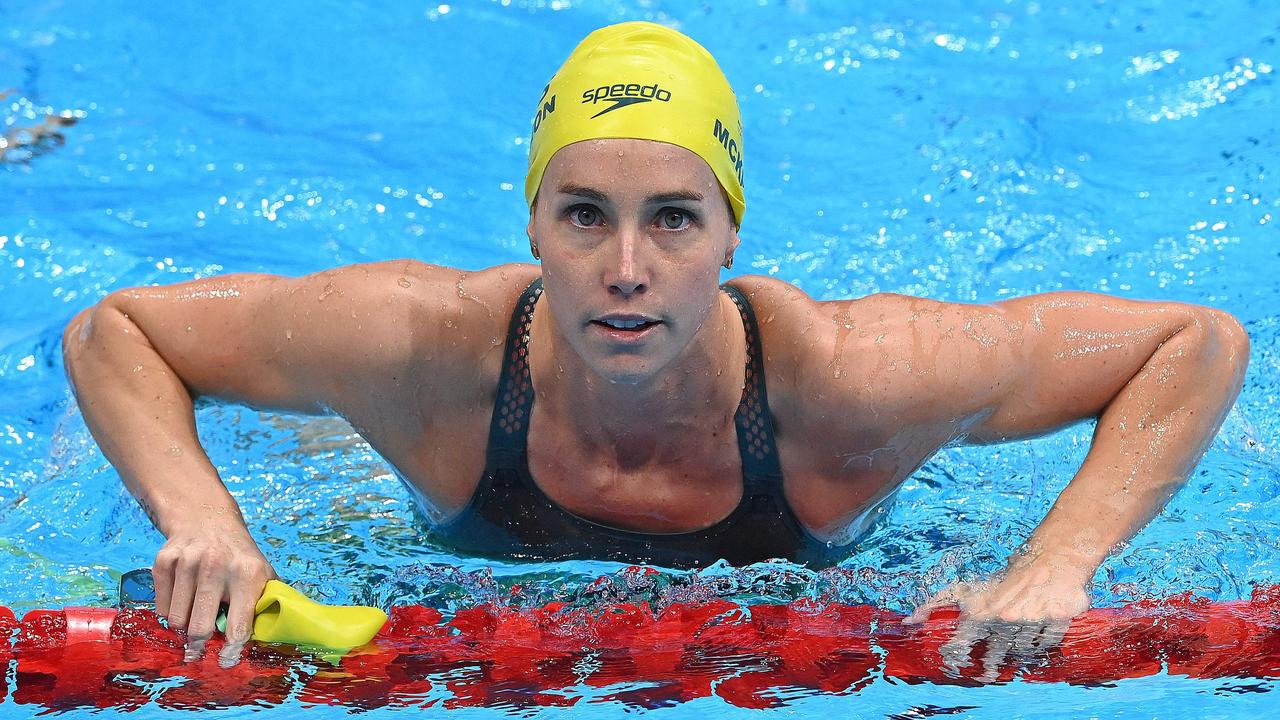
889,364
1076,351
308,344
1024,366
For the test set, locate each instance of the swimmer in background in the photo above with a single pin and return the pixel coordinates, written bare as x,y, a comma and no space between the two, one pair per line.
20,144
615,401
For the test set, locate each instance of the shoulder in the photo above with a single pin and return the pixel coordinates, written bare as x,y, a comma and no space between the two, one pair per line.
783,304
441,326
770,296
400,305
436,299
884,356
414,279
801,337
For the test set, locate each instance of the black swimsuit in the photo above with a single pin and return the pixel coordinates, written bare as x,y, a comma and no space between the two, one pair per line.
509,515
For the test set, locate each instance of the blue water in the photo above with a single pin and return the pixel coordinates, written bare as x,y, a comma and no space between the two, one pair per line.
967,151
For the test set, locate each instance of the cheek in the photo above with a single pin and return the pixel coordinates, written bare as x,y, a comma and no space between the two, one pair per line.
708,272
564,271
701,291
566,290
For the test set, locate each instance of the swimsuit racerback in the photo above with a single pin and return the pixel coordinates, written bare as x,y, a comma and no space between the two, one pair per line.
510,516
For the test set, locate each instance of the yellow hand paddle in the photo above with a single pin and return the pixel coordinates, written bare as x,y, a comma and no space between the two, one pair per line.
284,615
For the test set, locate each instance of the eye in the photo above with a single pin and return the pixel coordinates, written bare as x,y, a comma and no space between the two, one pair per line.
674,219
584,215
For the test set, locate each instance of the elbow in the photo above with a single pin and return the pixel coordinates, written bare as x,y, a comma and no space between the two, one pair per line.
76,340
74,334
1231,341
83,334
1223,340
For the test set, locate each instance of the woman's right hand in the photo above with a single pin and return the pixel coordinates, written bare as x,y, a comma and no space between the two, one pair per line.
201,566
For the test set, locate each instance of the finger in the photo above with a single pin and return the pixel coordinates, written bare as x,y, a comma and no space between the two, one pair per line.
1052,635
193,650
162,579
204,611
955,653
184,592
240,613
922,613
944,597
230,654
1000,640
197,637
1026,651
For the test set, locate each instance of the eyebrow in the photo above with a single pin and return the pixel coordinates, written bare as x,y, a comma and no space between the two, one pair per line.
596,195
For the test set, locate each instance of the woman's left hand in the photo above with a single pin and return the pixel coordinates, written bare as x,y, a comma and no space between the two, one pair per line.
1021,613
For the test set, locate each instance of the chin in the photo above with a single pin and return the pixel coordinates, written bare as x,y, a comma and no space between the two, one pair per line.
624,370
624,376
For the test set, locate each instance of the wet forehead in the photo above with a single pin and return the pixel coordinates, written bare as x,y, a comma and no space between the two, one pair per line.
629,166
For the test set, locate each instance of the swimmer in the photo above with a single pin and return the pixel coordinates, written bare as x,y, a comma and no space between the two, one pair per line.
614,400
20,144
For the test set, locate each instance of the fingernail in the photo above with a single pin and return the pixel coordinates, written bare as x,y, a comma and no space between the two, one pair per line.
193,651
230,655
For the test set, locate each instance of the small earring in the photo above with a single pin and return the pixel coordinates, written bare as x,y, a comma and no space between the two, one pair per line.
533,248
728,263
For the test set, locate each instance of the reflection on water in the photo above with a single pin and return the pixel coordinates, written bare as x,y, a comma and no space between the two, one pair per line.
619,649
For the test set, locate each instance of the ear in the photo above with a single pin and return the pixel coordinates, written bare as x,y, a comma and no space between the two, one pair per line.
729,252
528,229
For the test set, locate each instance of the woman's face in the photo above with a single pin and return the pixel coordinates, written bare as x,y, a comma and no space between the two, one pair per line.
632,234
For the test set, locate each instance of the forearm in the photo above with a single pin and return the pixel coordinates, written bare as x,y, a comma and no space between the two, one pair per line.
141,415
1147,441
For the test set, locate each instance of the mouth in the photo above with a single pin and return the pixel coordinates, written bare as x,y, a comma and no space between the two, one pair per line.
625,327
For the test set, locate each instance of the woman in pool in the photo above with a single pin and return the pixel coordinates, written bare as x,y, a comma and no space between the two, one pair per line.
616,401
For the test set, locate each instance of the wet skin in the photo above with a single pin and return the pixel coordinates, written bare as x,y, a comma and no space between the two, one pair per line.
633,426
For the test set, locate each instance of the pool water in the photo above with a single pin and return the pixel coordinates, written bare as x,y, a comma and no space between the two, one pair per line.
967,151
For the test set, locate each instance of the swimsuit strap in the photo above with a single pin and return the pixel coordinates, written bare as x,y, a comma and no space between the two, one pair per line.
509,428
761,468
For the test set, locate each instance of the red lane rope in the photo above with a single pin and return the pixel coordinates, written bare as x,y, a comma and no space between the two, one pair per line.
750,656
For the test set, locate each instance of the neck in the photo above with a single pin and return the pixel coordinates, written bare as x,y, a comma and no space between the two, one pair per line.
652,422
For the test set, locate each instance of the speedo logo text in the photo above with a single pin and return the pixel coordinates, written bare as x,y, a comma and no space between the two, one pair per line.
624,94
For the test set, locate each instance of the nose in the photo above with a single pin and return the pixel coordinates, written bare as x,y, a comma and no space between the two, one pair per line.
627,274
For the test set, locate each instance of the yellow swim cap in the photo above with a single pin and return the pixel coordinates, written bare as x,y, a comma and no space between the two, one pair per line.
644,81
